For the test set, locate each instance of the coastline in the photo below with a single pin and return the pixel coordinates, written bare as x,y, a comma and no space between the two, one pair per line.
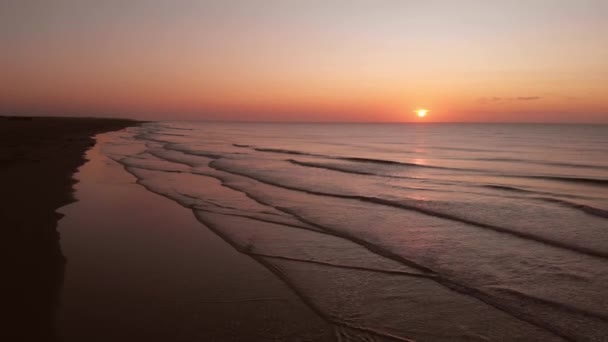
38,158
142,268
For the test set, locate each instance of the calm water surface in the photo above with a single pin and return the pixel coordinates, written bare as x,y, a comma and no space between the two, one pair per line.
437,232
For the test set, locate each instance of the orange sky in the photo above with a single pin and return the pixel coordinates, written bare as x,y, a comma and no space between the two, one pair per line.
284,60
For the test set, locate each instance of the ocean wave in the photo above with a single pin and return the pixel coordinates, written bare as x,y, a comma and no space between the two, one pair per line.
173,134
331,167
351,159
579,180
484,296
148,137
163,155
390,162
171,127
180,157
515,189
506,187
542,162
598,317
599,212
284,151
576,180
464,149
359,268
582,207
344,168
179,148
347,169
238,173
426,211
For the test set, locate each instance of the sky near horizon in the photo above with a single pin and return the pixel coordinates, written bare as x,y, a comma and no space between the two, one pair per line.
283,60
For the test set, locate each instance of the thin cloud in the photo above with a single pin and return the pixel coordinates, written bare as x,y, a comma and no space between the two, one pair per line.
498,99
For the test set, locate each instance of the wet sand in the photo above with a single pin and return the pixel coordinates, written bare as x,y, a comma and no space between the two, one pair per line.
142,268
37,159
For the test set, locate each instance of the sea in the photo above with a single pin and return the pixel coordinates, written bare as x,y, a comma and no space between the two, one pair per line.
402,232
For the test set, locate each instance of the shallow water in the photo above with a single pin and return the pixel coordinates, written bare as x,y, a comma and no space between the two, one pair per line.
438,232
142,268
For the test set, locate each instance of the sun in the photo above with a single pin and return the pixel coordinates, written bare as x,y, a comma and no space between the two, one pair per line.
421,112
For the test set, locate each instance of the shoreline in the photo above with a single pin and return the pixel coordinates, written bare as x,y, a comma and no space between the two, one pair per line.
39,156
143,268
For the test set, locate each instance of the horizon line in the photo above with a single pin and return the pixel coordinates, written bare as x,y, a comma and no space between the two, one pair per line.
312,122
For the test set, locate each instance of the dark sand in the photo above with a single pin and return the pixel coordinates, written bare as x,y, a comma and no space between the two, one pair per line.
37,159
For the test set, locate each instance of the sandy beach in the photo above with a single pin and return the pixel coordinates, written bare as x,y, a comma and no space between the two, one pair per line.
104,269
38,157
142,268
